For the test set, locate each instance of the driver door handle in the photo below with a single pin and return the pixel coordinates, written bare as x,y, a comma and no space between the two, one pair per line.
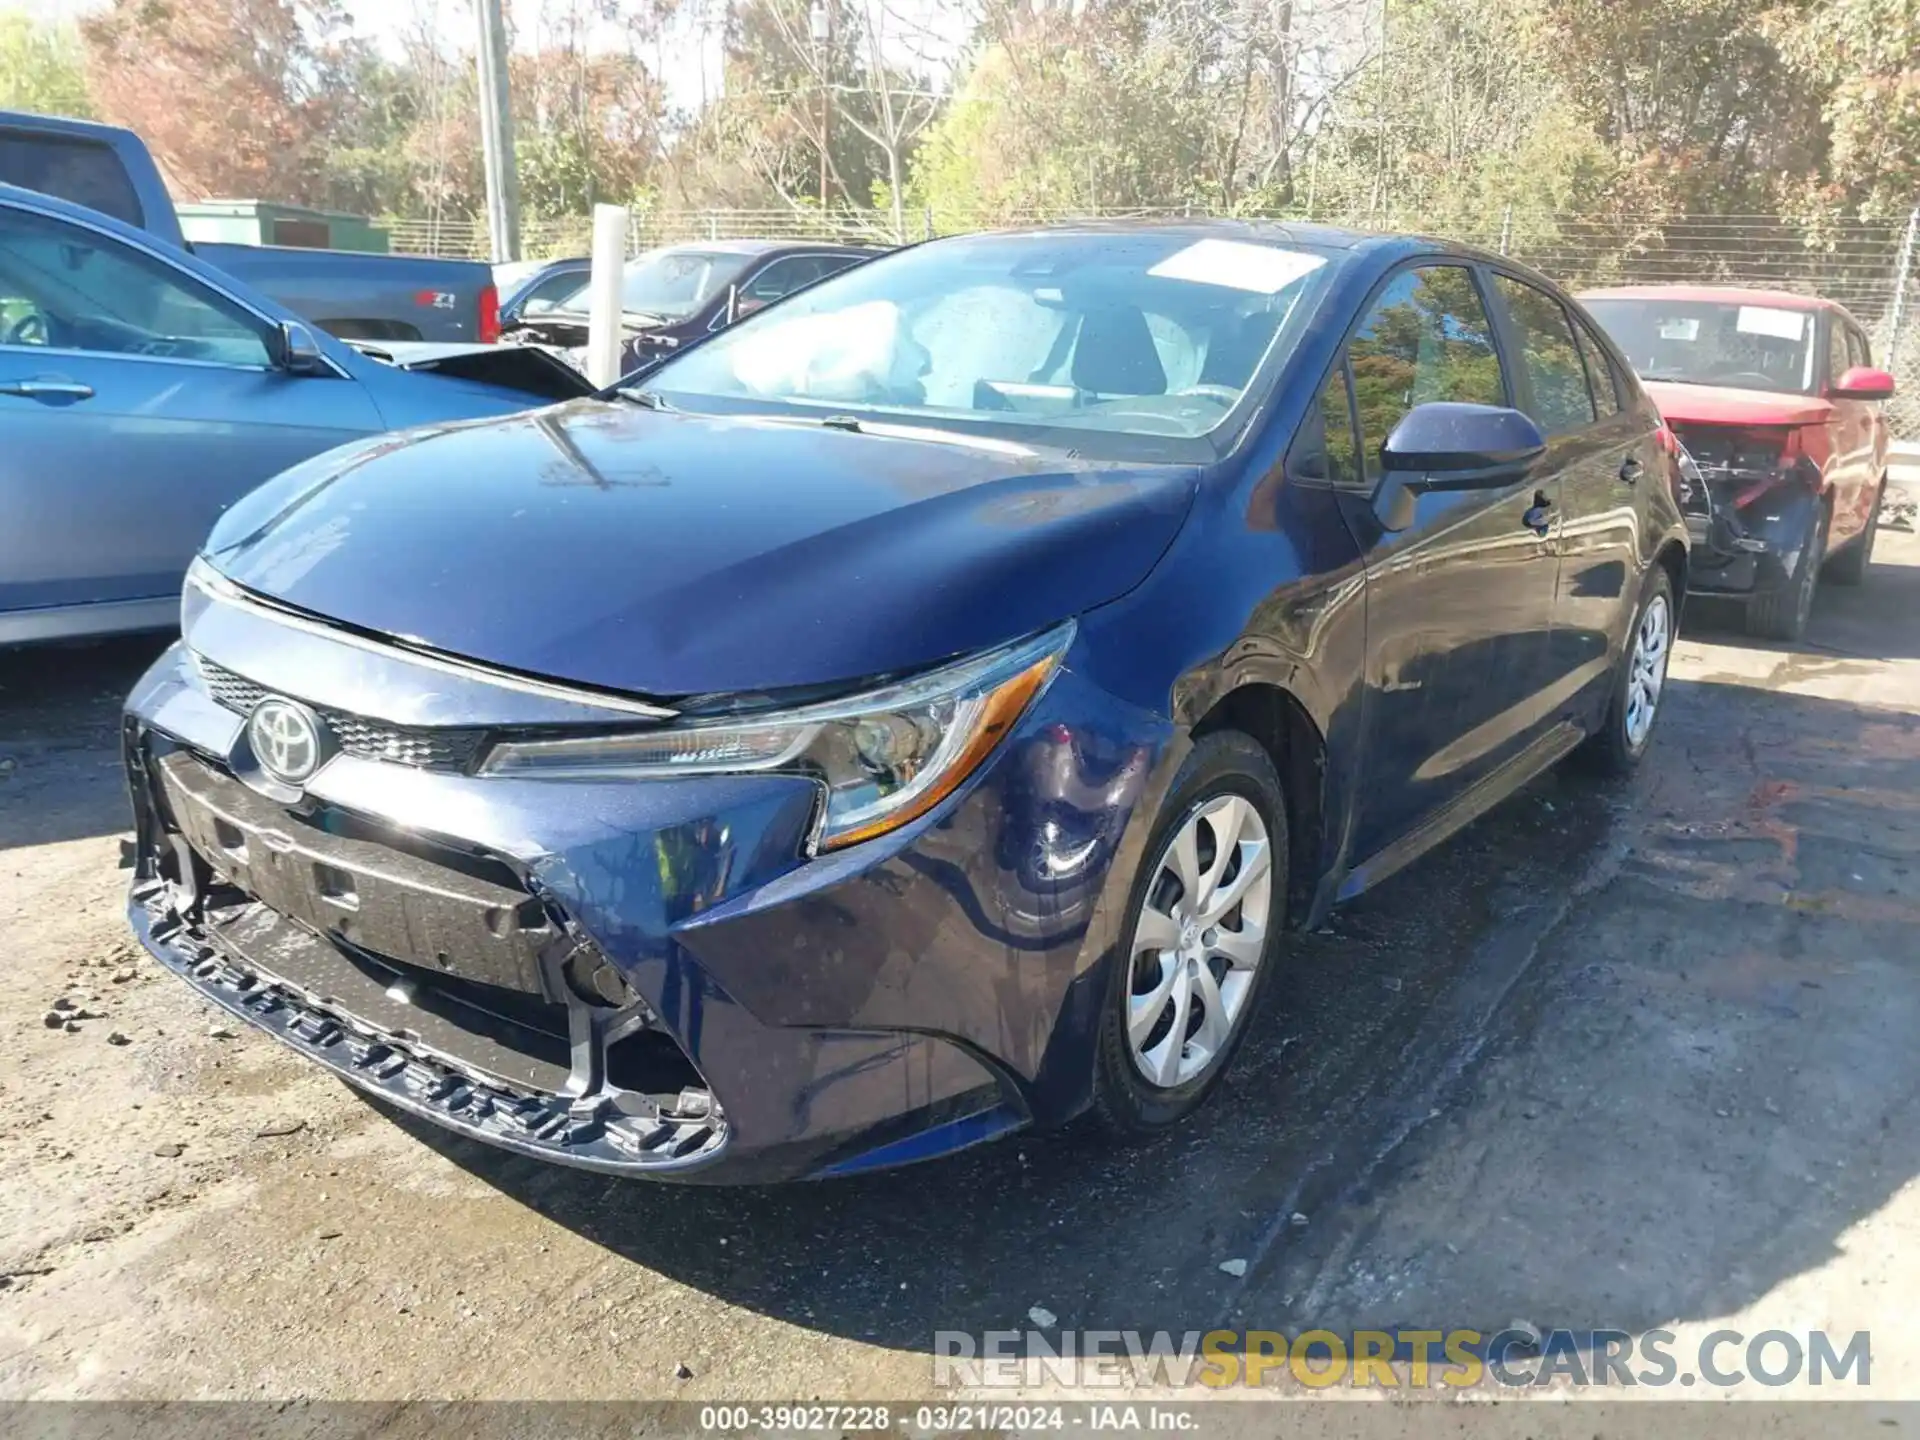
1630,469
47,389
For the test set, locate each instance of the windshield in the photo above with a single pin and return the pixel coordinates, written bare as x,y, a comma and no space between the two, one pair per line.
672,283
1146,334
1712,342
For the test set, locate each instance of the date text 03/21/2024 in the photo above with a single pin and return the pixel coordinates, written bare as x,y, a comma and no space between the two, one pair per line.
944,1419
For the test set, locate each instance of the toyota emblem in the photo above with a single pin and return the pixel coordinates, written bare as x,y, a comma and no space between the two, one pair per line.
286,739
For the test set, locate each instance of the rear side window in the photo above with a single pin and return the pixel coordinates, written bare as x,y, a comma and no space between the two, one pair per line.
783,277
1602,382
1562,402
82,171
1426,337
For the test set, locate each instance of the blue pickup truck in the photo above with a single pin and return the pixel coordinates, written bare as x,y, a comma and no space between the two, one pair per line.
351,295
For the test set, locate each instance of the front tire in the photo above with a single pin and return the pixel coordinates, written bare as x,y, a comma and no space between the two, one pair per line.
1639,683
1782,614
1202,939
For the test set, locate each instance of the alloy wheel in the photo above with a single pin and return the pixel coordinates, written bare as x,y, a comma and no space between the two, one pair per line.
1199,941
1652,644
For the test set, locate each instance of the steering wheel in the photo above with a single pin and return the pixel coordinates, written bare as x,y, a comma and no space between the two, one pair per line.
30,329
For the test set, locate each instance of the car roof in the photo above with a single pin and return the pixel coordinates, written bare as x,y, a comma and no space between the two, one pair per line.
1724,294
1285,231
769,247
1382,248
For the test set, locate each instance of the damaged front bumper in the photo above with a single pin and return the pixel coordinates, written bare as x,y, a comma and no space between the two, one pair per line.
298,930
1749,537
642,978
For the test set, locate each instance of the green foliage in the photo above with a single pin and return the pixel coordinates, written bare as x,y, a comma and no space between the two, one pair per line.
42,68
1090,118
1863,58
1478,120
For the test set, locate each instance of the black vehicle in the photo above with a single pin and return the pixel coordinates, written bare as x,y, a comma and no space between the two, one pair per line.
679,293
537,287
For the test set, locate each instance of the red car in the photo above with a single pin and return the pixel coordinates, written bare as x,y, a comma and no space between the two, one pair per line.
1778,400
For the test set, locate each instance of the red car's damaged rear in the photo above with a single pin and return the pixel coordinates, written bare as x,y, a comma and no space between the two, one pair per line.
1777,399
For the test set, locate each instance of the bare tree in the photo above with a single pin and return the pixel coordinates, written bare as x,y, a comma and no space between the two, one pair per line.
884,67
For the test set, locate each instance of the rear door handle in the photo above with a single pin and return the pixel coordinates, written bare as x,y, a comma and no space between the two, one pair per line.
1630,469
47,389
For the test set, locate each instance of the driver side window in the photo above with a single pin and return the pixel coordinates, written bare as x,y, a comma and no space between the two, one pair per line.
1838,362
1426,337
783,277
66,287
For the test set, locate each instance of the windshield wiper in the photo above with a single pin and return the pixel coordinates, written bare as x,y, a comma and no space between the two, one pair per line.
848,423
645,399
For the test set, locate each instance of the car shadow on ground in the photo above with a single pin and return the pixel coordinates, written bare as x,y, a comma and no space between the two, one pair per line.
60,705
1609,1058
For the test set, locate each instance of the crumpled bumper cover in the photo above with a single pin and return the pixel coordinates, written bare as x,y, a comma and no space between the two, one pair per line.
870,1007
1751,550
569,1130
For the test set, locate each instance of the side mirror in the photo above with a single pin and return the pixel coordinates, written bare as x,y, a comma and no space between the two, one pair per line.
1863,382
1448,445
296,350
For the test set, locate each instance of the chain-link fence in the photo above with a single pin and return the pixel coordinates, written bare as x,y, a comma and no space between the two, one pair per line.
1866,265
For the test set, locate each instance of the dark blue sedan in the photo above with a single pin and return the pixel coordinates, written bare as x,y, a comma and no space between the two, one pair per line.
918,712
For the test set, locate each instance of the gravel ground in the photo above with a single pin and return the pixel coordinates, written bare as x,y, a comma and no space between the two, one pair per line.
1638,1057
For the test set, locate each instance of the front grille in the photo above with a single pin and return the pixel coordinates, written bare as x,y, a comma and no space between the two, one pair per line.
445,749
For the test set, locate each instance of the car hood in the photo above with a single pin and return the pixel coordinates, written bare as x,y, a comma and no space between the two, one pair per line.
667,554
1724,405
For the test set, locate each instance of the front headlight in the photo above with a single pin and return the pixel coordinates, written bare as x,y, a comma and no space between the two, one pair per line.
883,758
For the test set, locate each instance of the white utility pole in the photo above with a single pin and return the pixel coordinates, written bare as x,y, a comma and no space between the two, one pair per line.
1902,278
496,133
820,27
603,294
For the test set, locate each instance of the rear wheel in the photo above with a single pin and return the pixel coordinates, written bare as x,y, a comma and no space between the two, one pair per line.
1204,929
1782,614
1849,567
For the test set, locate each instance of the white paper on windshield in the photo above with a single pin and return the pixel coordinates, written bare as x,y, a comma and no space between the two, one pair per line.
1680,327
1765,320
1238,265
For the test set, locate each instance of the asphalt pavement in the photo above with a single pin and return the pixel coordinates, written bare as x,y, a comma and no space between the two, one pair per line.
1630,1057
